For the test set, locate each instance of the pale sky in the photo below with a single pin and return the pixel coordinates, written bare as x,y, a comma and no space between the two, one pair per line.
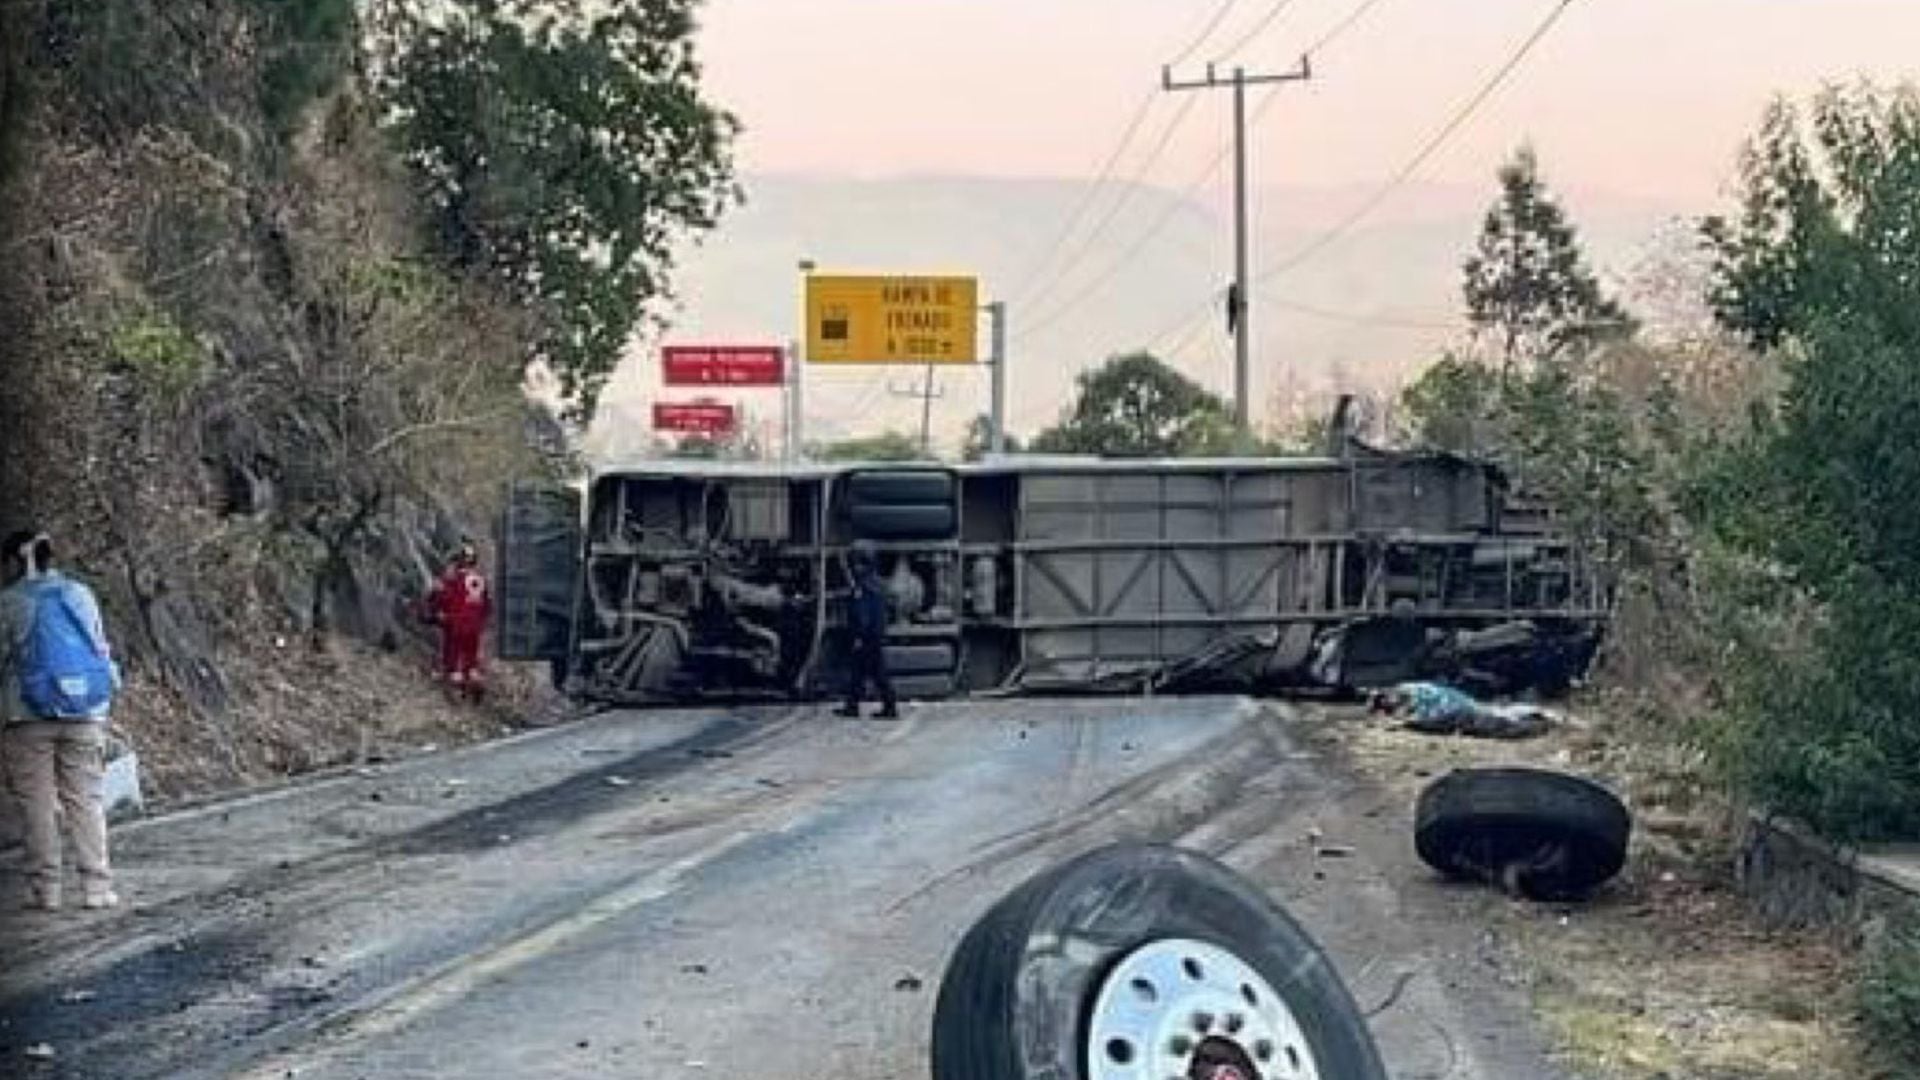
1637,108
1634,96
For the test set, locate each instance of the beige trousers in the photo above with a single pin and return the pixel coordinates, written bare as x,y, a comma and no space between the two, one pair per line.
56,769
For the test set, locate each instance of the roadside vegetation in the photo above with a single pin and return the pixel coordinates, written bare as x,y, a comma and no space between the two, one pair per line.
279,277
1749,476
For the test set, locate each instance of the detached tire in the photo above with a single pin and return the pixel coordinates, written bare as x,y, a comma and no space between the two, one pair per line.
903,487
1144,961
873,521
938,658
1547,835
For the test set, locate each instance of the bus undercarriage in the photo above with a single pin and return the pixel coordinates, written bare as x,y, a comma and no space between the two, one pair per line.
681,581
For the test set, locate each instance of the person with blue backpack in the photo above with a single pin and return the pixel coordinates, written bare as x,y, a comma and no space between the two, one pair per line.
57,683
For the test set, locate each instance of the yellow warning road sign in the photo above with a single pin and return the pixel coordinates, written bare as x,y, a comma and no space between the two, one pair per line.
892,320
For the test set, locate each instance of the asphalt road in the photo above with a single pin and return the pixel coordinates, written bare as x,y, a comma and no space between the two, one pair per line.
764,893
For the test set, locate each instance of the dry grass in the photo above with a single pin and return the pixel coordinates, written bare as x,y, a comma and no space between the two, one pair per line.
1666,975
298,712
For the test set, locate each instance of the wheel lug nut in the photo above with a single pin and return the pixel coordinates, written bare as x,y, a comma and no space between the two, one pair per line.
1202,1022
1235,1022
1181,1046
1263,1050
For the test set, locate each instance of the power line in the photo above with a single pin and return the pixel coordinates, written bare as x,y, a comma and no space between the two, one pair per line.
1355,318
1134,184
1092,196
1132,130
1206,32
1339,29
1197,315
1253,34
1033,327
1426,152
1113,268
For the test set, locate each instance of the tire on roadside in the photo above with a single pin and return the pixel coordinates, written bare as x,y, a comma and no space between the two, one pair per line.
1563,836
1023,994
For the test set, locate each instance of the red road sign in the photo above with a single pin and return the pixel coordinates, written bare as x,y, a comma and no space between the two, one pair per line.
724,365
694,417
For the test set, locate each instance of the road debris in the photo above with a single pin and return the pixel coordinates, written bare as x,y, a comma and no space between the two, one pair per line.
908,984
619,781
693,969
1436,709
1538,834
40,1052
1333,851
77,997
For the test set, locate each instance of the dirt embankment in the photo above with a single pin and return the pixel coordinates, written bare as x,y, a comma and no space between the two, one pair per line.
1667,974
251,408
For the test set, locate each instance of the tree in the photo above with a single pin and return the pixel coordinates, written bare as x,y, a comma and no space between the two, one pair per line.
563,147
979,439
1527,284
1558,428
886,446
1821,265
1828,218
1137,406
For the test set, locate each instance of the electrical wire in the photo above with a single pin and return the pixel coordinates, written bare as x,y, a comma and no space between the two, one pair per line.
1340,29
1425,153
1206,33
1258,29
1113,268
1024,292
1092,196
1354,318
1199,314
1134,185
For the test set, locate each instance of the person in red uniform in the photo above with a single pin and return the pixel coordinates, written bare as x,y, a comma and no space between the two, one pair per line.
461,603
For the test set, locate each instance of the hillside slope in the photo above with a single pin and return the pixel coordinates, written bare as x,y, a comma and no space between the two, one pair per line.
247,407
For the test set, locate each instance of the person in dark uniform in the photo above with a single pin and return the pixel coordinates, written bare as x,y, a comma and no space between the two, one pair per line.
867,621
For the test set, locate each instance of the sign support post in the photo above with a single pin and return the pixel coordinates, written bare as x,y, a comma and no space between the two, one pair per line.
997,418
795,421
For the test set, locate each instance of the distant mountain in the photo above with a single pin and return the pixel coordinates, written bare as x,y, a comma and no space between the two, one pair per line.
1364,312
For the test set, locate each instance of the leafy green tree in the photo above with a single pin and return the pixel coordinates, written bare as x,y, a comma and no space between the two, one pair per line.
564,146
1828,218
1528,287
309,46
1554,425
886,446
1825,708
1453,406
1138,406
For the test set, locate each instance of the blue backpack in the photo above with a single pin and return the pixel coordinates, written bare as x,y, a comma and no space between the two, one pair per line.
62,675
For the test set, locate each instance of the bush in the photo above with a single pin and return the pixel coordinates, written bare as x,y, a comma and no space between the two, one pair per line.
159,351
1890,997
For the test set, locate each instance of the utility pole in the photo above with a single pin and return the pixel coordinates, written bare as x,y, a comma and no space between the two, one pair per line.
997,417
796,404
1238,307
796,447
926,393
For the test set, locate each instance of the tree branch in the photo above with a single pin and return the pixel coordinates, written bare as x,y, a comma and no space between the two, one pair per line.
411,431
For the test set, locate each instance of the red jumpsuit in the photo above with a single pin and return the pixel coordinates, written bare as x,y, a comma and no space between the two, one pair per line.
461,604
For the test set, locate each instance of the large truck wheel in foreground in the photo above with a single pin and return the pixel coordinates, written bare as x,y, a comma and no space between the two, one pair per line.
680,581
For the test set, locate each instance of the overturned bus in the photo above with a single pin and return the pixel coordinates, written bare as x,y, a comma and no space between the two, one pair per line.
680,581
